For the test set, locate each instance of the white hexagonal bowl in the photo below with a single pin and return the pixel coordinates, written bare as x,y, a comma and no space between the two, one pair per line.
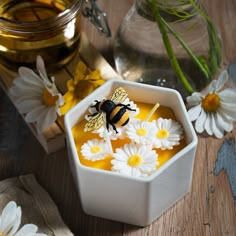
133,200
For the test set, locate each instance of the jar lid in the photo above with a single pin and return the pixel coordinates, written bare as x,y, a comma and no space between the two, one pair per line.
39,24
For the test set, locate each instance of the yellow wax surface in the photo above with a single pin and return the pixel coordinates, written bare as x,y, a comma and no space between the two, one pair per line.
81,137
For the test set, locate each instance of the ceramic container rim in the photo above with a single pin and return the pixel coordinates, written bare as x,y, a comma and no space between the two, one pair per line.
70,139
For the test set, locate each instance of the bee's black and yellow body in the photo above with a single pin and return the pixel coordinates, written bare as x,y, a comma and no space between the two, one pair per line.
110,111
116,114
119,115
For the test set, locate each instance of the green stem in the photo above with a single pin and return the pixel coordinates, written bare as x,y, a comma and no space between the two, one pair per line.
214,41
204,70
173,60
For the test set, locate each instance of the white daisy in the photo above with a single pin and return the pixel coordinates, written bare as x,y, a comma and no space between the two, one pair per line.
103,132
167,134
95,149
135,160
10,220
141,132
214,110
36,96
133,106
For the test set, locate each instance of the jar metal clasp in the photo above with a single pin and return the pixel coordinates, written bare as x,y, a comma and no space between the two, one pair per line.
97,17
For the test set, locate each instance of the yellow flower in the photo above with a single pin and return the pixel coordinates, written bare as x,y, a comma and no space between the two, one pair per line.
81,86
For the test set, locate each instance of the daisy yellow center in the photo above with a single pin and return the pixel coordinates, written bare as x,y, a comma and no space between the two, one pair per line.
49,99
162,133
211,102
2,234
141,132
96,149
135,160
83,89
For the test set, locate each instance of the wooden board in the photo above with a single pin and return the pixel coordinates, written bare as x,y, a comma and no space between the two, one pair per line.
208,210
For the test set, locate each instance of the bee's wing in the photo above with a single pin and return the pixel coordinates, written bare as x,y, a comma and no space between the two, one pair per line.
95,122
119,95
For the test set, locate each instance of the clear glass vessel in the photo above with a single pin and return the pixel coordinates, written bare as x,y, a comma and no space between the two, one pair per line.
50,28
170,43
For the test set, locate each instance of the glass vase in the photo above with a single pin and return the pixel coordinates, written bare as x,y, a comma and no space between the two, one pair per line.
170,43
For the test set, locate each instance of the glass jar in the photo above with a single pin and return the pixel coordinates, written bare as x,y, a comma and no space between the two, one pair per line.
170,43
50,28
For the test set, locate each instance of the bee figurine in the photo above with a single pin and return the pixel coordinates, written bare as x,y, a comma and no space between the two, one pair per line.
112,112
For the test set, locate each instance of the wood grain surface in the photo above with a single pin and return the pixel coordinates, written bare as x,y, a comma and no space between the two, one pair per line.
208,209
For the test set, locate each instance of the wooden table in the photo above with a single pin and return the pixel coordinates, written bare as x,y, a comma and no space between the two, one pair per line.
208,209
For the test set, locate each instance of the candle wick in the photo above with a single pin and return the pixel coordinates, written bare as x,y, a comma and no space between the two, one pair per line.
152,111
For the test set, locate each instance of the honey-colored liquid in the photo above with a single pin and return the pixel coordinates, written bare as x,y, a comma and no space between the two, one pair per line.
57,43
80,137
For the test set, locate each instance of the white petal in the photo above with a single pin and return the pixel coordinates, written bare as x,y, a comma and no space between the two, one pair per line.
35,113
226,117
165,143
25,85
229,110
16,92
28,74
117,165
222,79
228,95
167,124
194,99
28,105
51,87
46,120
225,124
207,125
194,112
41,67
120,155
136,172
10,218
218,132
150,166
174,138
16,223
211,88
21,99
27,230
158,123
33,82
60,101
127,170
176,130
228,105
130,149
28,82
199,124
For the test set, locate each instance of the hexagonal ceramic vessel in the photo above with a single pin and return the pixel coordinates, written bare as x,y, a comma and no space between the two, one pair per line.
133,200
